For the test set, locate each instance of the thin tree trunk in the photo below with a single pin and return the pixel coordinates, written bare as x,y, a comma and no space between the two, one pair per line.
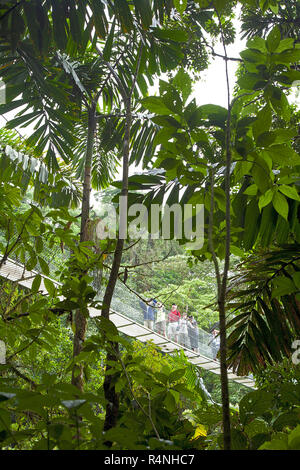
223,290
222,284
80,320
112,397
224,377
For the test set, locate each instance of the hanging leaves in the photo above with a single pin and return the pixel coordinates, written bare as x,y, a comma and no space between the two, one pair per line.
270,324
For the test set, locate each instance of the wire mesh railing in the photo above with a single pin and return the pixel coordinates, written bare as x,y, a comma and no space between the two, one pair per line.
127,303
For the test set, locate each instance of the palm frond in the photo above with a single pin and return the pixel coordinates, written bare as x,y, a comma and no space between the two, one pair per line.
265,297
19,166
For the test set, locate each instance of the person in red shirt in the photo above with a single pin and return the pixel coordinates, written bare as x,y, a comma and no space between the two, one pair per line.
173,319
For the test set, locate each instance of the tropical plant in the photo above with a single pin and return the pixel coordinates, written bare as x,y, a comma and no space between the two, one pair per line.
211,149
265,296
284,14
230,159
112,76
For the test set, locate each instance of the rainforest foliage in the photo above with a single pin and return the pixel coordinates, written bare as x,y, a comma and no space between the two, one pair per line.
80,111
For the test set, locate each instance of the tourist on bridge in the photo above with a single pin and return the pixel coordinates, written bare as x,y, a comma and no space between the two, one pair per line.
215,343
173,319
183,337
144,308
149,315
160,324
193,332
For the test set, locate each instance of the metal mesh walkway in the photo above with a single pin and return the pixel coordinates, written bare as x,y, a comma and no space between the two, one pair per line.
126,314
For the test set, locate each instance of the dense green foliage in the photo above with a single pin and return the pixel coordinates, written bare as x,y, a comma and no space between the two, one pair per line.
78,75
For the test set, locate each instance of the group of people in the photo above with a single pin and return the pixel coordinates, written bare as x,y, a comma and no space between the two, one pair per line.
182,329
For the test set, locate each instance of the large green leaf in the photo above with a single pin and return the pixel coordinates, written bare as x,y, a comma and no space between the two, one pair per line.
217,115
171,34
283,155
287,57
273,39
263,121
281,205
156,105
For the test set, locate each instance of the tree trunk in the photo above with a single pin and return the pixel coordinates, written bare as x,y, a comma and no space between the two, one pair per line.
223,290
80,321
224,377
222,286
112,397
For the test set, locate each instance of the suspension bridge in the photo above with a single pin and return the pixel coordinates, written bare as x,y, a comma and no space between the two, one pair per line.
127,316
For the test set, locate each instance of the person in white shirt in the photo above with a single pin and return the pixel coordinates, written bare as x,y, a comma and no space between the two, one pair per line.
183,337
215,343
160,324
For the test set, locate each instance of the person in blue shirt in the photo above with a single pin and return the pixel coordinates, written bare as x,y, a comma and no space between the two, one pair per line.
149,316
144,308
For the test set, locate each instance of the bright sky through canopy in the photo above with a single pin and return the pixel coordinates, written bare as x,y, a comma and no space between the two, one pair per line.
212,88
